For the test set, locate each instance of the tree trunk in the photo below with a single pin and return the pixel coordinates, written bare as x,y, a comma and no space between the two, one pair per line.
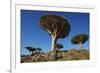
53,55
54,41
81,47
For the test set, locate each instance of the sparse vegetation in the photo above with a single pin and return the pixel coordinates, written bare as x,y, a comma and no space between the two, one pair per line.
58,27
72,54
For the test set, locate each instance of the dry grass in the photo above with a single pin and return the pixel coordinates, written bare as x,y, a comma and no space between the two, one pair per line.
67,55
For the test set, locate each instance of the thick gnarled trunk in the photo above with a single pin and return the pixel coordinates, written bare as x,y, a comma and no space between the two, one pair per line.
54,41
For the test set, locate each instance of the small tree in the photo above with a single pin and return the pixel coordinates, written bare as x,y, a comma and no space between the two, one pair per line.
39,49
58,46
57,26
80,39
30,49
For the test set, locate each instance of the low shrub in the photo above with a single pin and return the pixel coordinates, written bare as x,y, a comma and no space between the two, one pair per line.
60,55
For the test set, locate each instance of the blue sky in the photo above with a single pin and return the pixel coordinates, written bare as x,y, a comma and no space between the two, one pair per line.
33,35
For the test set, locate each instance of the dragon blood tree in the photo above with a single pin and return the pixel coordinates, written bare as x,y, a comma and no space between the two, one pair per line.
80,39
30,49
58,46
57,27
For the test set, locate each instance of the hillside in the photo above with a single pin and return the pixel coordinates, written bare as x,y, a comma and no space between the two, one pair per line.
63,55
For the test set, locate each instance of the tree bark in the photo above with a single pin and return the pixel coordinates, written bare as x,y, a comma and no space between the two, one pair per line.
81,47
54,41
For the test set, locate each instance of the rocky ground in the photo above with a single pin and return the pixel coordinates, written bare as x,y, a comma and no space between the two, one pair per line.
63,55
